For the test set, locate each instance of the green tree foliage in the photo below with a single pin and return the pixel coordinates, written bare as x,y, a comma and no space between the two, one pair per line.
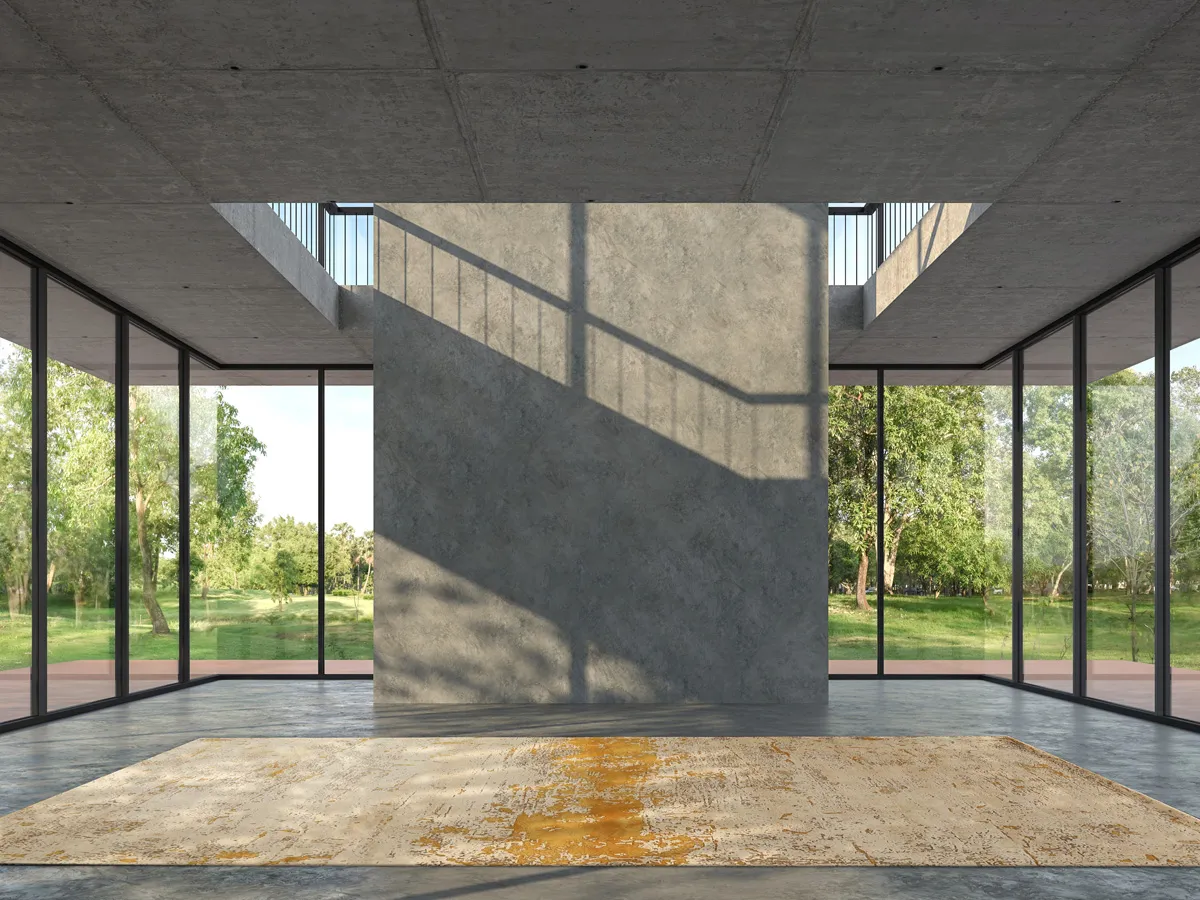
852,495
16,468
81,473
153,488
224,511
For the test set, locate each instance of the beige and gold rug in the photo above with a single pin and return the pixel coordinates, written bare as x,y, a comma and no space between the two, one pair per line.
784,801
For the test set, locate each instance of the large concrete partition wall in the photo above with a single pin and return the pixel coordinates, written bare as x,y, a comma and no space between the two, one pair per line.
600,453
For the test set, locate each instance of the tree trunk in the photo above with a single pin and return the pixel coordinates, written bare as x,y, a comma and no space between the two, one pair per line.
860,589
79,602
14,601
889,562
50,577
1133,641
1058,580
158,621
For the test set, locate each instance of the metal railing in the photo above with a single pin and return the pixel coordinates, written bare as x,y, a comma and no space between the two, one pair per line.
863,235
340,237
898,220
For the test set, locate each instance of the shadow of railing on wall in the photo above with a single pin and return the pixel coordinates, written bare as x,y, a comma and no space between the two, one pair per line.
562,339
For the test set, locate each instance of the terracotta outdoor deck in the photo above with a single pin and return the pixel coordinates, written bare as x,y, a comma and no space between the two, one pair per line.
84,681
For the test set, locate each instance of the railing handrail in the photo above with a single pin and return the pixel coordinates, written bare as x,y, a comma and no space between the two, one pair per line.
324,230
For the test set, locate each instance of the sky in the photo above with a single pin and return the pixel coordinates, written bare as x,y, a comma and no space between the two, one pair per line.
285,477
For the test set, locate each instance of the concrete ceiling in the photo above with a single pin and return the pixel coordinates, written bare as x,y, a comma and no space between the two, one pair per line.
139,113
1112,192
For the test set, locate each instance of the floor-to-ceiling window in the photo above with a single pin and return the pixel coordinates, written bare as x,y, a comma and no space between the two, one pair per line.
80,498
1119,358
16,473
253,479
1047,492
154,572
947,522
853,638
349,523
1185,489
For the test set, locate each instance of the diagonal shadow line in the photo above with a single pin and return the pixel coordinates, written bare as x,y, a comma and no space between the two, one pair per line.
937,221
490,268
519,881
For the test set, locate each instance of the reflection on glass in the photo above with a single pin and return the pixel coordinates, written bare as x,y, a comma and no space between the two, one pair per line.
153,511
948,522
852,504
1185,489
253,522
16,475
1120,503
349,533
1048,538
81,499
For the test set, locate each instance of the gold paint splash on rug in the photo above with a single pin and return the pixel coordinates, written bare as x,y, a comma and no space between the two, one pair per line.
592,809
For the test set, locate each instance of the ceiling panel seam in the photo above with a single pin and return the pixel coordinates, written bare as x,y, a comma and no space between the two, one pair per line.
800,44
457,105
100,96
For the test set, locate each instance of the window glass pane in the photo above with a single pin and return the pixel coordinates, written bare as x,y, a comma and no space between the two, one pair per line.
349,528
1048,538
153,511
852,500
1120,502
253,520
948,522
16,474
1185,489
81,498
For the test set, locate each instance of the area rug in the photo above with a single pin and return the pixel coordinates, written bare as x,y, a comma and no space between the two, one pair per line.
709,801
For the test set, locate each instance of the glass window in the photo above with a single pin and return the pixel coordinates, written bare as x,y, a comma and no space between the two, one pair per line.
253,521
16,475
1185,489
852,504
153,511
81,499
1048,488
349,525
948,522
1120,499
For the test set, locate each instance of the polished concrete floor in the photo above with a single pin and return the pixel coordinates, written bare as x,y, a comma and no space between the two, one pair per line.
38,762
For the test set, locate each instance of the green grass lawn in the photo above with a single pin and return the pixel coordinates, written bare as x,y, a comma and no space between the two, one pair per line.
248,625
962,628
232,625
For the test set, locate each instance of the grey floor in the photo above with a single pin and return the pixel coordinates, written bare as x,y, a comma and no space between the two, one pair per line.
38,762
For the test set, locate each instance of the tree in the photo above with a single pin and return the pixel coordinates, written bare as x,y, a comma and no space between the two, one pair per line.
153,486
1120,419
81,469
1048,486
16,473
224,511
852,411
933,473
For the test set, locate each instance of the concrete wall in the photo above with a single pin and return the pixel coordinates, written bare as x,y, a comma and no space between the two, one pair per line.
600,453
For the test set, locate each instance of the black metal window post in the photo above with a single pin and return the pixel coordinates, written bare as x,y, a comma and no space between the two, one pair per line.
1162,491
121,518
38,688
879,543
1080,548
321,522
1018,516
185,517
